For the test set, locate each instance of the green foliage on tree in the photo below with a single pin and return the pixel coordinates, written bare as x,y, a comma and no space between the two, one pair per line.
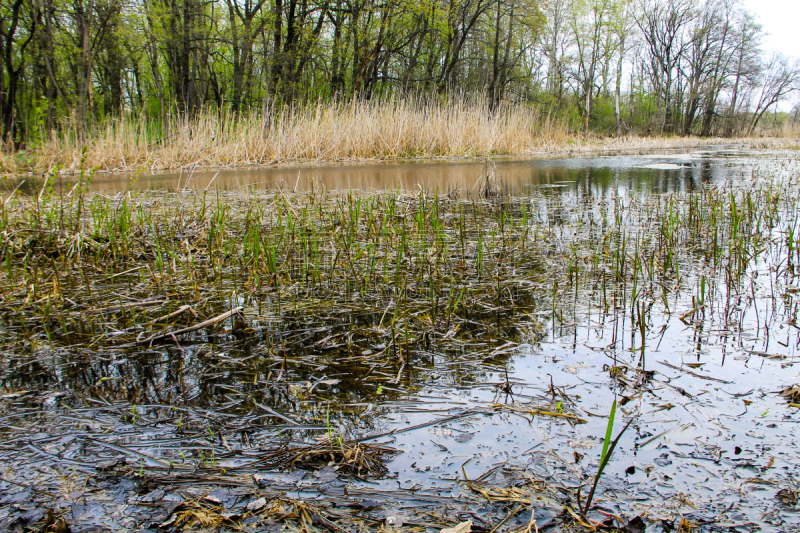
608,66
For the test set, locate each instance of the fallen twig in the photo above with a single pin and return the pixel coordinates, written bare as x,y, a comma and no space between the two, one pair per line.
117,308
201,325
182,309
695,374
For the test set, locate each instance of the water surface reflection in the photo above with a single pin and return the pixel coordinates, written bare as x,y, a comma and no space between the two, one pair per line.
658,172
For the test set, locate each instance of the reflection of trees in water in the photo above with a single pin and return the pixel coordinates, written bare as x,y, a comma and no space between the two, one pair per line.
516,177
284,366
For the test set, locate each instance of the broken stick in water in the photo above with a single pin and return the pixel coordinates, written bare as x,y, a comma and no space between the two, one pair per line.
201,325
182,309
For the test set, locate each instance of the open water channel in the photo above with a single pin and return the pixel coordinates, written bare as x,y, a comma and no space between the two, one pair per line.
656,172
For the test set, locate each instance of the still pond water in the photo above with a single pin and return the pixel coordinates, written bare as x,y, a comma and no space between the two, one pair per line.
669,171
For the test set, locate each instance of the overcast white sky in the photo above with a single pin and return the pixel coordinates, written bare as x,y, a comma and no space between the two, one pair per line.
779,19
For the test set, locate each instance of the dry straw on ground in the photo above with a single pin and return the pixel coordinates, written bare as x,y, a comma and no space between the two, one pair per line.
350,131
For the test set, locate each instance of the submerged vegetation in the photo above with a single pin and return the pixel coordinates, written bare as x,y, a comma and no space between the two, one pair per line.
210,339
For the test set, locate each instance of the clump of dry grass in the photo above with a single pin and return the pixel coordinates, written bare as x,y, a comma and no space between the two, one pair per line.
349,131
353,130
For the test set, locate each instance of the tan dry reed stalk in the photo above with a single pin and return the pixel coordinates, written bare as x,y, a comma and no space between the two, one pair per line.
329,132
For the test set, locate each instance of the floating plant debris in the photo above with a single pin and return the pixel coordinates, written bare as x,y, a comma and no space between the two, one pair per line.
356,459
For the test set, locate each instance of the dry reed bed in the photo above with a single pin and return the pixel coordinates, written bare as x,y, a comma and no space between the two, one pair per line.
326,133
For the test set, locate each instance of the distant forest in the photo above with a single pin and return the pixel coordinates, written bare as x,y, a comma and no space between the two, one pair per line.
608,66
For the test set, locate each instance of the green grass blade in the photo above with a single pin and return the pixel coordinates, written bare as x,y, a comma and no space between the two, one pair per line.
609,430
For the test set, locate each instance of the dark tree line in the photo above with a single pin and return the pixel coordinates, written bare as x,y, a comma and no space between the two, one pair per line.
614,66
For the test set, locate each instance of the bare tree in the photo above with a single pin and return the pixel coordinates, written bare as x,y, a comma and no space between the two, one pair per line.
721,64
662,23
246,22
622,25
745,63
779,78
555,43
707,35
589,21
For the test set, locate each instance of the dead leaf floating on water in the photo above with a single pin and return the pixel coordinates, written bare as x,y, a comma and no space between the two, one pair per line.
787,497
463,527
577,367
584,444
792,393
257,505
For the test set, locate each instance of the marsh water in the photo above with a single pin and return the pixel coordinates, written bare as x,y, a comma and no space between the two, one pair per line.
498,416
659,172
